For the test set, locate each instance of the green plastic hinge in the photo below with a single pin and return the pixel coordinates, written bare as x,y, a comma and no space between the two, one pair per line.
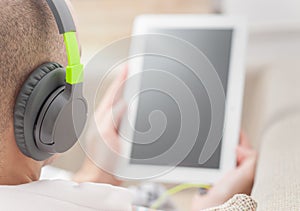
74,74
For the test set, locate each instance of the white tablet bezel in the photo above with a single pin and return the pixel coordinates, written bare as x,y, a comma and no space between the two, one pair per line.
234,96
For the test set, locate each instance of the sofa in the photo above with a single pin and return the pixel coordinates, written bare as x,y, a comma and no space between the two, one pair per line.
271,118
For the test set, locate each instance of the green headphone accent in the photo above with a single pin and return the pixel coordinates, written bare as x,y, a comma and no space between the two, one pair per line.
50,111
66,26
74,70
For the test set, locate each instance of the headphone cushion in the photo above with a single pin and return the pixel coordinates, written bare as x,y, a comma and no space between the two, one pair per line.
35,91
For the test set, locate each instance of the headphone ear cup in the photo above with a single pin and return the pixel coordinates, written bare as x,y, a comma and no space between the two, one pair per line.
35,91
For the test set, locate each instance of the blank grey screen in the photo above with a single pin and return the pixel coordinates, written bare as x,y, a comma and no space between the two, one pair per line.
216,45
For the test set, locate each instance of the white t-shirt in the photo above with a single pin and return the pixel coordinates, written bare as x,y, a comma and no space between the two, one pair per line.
64,195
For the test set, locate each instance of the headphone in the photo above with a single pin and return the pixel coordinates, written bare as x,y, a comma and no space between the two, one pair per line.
50,111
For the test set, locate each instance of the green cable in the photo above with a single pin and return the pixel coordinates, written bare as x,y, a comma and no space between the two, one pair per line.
175,190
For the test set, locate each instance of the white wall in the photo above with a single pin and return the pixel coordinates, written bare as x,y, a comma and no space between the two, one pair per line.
274,28
266,14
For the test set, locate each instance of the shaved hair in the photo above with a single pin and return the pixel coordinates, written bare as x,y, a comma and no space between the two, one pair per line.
28,38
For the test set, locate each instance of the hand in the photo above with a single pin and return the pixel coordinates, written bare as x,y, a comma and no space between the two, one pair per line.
103,138
238,180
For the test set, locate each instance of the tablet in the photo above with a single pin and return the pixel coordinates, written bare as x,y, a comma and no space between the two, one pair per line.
184,93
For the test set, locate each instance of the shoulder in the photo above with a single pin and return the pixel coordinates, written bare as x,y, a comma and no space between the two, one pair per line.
60,193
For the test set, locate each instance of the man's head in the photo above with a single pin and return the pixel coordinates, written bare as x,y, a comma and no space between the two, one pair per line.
28,38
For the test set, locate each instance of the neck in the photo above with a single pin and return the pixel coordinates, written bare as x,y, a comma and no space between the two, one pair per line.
16,168
13,177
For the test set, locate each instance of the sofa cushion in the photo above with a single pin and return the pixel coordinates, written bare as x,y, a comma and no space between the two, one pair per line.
277,182
270,93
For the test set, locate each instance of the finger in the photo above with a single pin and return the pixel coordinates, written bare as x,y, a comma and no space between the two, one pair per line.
240,156
115,90
243,154
118,112
244,142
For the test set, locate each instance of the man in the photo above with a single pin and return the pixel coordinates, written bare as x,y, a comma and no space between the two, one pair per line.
29,38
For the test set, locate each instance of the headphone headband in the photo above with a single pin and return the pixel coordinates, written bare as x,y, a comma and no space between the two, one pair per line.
66,26
62,16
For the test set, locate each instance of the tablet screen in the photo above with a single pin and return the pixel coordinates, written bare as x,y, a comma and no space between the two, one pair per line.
216,45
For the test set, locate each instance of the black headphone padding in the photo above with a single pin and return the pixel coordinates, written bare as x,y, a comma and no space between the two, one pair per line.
35,91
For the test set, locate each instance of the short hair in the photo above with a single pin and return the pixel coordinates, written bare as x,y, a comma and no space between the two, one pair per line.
28,38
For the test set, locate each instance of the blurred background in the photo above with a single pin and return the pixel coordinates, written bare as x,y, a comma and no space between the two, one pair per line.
274,25
273,46
272,74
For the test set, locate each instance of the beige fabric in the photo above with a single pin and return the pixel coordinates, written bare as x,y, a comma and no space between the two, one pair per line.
271,118
253,111
239,202
277,183
270,92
